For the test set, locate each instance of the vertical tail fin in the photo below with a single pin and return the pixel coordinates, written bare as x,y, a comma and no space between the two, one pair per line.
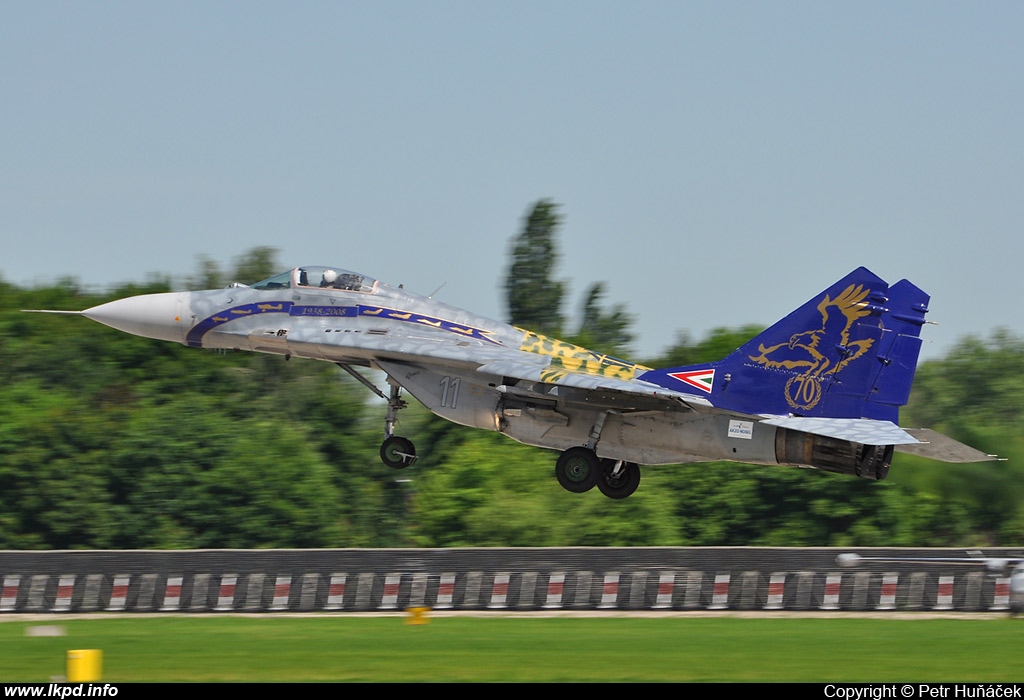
849,352
898,350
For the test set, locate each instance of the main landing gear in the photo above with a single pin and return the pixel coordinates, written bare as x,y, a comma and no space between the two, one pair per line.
396,452
578,469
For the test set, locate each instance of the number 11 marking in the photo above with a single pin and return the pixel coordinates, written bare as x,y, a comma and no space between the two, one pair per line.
450,391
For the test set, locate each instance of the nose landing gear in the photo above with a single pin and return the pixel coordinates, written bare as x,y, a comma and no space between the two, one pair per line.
396,452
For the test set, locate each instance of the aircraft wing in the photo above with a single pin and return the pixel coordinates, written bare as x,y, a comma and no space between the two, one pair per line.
398,343
602,390
427,346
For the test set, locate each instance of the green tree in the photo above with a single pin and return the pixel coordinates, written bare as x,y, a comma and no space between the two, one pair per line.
534,296
209,275
492,492
604,331
256,264
980,381
718,343
974,394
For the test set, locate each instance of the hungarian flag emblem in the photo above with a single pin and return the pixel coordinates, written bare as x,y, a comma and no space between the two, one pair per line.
701,379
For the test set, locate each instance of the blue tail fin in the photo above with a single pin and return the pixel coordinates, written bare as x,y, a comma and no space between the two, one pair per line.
850,352
898,350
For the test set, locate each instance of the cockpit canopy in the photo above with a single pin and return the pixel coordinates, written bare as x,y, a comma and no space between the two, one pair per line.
320,277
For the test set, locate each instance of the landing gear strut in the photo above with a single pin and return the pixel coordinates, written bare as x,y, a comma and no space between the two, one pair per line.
618,479
396,452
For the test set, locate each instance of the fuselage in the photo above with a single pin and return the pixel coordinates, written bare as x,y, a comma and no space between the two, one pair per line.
296,312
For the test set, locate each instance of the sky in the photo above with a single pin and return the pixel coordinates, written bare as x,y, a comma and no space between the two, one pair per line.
715,164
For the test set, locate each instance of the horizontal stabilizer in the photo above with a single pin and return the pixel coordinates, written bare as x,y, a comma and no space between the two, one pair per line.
863,430
935,445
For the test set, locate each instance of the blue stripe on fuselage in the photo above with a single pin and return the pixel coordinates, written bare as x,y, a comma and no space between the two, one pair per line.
194,339
195,336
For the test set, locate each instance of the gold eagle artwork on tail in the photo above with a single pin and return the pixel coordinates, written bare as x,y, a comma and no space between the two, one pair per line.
802,349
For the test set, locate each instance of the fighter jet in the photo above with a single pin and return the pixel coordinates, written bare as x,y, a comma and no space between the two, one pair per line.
819,389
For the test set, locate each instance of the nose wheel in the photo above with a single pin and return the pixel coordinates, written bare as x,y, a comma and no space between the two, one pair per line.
397,452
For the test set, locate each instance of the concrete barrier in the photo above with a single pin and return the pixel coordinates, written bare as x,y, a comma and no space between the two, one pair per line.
487,579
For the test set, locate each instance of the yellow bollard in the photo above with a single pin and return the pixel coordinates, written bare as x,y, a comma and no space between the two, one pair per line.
84,665
417,616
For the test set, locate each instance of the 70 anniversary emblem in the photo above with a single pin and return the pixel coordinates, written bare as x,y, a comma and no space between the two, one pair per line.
805,350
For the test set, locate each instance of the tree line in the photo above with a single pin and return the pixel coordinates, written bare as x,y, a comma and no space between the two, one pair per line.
108,441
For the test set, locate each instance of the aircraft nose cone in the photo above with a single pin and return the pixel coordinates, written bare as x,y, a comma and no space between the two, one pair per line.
158,316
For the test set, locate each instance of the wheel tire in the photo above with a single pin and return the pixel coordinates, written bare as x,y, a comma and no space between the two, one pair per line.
577,469
621,486
397,452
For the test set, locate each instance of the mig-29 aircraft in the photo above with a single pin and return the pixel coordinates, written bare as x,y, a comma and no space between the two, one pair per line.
821,388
